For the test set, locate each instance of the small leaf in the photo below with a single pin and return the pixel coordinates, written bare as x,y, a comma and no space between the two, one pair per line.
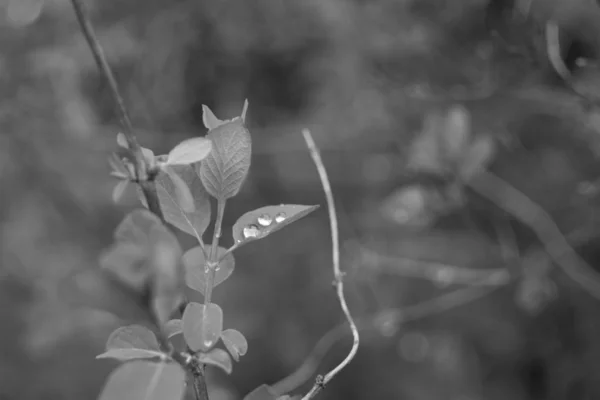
130,354
173,327
132,337
425,153
235,342
122,140
261,222
479,155
209,118
244,111
218,358
135,227
119,190
118,167
194,263
126,262
263,392
202,326
182,192
194,222
145,380
224,170
190,151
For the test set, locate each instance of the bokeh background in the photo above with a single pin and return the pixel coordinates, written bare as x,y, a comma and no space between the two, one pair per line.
363,76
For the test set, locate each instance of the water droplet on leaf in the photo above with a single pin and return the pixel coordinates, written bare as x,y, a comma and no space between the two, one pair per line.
280,217
208,343
265,220
251,231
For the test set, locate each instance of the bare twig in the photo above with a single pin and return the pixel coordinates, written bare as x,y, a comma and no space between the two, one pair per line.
144,175
394,316
529,213
339,281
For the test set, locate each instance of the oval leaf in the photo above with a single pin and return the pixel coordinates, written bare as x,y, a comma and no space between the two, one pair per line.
479,155
235,342
144,380
173,327
135,227
126,262
192,222
425,153
263,392
194,263
119,189
190,151
130,354
132,337
209,119
182,192
263,221
202,326
456,135
122,140
218,358
224,170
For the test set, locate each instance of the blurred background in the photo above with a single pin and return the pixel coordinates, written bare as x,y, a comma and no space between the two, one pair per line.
455,294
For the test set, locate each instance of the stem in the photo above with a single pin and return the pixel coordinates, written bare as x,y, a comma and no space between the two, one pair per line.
200,389
213,261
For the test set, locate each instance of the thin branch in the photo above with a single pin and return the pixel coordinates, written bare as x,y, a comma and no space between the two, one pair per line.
532,215
395,316
339,281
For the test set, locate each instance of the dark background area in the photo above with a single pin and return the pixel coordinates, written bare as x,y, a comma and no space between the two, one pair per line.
362,75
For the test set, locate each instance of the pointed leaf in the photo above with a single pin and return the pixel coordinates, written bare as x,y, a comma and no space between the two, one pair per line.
190,151
122,140
478,157
130,354
244,111
263,392
235,342
218,358
117,165
132,337
118,191
209,118
224,170
194,263
181,191
145,380
261,222
195,222
173,327
202,326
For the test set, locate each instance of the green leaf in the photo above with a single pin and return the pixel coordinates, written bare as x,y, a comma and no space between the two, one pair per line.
135,227
122,140
202,326
235,342
478,156
145,380
261,222
127,263
181,191
119,189
132,337
218,358
457,133
173,327
224,170
209,119
130,354
189,151
194,263
194,222
263,392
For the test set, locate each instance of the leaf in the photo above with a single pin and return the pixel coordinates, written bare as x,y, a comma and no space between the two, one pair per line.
235,342
209,119
224,170
244,111
119,190
181,191
194,222
130,354
202,325
132,337
122,140
218,358
190,151
145,380
477,158
194,263
263,221
263,392
135,227
425,153
173,327
127,263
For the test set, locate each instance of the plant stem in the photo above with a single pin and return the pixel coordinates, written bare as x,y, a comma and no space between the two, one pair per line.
213,261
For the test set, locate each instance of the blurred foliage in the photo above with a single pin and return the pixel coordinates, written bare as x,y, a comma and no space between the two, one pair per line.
362,76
